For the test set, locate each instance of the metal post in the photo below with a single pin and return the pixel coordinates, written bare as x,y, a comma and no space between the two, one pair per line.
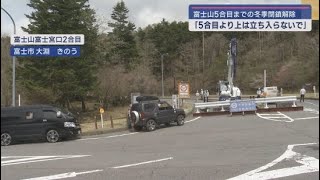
197,110
95,122
294,104
19,100
162,75
13,64
265,78
111,122
101,120
202,52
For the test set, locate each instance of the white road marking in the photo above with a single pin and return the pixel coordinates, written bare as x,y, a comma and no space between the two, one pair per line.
32,159
141,163
269,114
11,157
291,120
309,164
26,159
311,110
106,137
306,118
273,118
193,119
64,175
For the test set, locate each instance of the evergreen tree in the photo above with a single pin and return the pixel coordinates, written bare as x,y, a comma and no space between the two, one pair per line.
66,78
124,49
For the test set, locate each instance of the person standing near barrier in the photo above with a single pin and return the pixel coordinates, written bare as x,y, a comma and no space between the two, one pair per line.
238,94
258,93
201,93
207,95
302,93
197,95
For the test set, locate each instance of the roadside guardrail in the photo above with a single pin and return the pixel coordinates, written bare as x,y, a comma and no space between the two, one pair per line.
221,104
264,101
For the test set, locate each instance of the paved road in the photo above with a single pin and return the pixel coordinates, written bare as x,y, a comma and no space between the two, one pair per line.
239,147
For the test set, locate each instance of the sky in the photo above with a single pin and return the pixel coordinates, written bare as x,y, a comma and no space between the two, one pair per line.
141,12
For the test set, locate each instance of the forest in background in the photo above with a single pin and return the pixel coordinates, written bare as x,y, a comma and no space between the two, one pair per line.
128,59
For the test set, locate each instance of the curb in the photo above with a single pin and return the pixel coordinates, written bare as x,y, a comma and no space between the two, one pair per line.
102,131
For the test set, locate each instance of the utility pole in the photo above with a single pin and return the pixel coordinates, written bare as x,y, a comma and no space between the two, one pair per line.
13,64
265,78
162,88
203,52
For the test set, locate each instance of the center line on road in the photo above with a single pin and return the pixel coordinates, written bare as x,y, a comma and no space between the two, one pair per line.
64,175
193,119
141,163
106,137
307,118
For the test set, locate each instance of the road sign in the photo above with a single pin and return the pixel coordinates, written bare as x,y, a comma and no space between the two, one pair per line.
184,90
44,51
250,17
242,106
47,39
101,110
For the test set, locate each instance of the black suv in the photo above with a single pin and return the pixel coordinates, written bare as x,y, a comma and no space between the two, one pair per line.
150,112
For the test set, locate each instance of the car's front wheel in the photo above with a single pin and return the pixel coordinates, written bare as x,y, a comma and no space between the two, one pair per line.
6,139
151,125
52,136
180,120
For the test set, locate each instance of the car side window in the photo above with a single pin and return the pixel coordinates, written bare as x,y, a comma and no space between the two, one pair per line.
149,107
29,115
49,114
164,106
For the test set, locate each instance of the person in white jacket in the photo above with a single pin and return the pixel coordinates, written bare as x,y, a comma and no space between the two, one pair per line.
302,93
238,93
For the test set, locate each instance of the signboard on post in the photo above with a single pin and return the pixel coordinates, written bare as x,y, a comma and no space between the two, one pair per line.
184,90
242,106
252,17
101,112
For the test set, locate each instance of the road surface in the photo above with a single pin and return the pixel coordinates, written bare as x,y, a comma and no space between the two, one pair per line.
282,145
